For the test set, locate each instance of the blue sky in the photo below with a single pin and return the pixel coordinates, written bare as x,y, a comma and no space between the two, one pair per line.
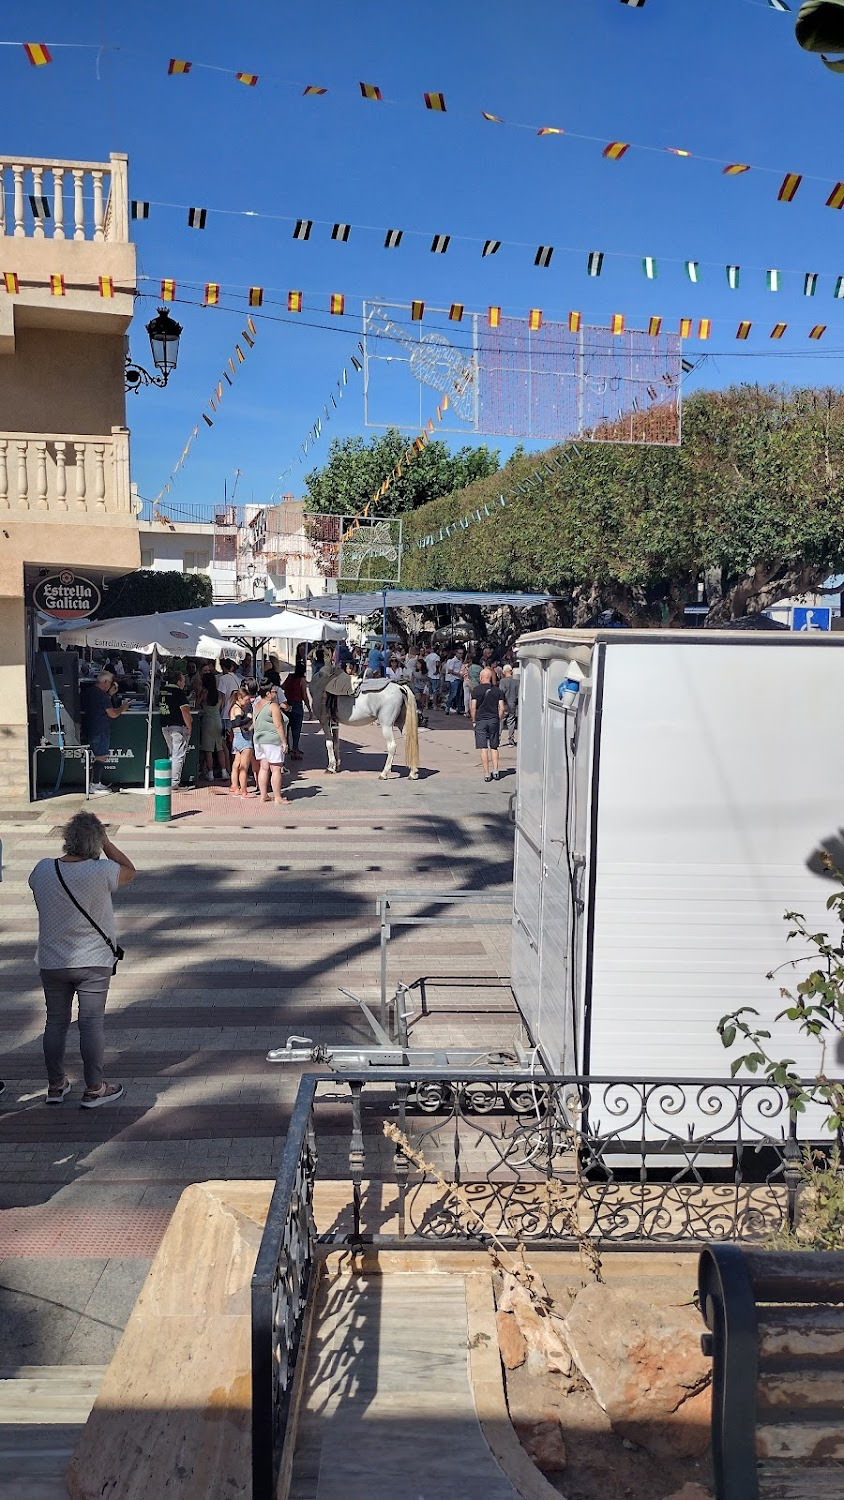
720,78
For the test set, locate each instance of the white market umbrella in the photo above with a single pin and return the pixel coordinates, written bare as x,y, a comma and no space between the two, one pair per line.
257,620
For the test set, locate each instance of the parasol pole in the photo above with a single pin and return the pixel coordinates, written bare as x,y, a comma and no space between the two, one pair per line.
149,717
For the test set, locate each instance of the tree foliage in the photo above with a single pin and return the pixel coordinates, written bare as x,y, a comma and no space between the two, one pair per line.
356,470
752,503
149,591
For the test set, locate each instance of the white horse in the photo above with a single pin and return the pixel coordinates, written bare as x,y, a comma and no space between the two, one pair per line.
393,704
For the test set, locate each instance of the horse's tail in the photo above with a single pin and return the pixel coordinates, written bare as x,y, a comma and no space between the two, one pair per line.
410,727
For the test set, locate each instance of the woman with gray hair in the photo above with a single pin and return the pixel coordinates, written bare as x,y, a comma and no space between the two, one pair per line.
77,952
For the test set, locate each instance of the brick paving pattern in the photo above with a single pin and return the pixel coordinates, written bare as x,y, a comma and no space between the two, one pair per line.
241,927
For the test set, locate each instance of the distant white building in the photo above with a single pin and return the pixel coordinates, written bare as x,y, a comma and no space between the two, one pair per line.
170,546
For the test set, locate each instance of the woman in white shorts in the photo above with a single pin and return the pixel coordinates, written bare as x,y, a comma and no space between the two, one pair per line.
269,741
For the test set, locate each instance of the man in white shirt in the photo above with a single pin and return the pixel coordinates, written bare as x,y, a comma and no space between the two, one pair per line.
227,686
454,682
432,662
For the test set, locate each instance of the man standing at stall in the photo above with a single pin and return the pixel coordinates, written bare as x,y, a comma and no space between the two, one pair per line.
100,704
176,723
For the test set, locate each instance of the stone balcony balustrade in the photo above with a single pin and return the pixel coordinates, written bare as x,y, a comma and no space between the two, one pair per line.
46,478
64,200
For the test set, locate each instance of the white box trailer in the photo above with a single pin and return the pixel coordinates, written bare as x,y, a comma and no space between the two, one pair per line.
665,822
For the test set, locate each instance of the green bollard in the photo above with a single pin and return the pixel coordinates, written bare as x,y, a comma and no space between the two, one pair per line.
163,790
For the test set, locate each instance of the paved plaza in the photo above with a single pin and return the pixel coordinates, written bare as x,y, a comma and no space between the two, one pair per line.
244,922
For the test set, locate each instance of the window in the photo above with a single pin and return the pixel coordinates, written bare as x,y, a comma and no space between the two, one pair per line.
197,562
147,557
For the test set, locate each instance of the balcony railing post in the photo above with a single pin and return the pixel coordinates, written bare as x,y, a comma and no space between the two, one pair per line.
98,205
117,214
20,226
58,203
4,475
79,450
78,204
38,194
2,198
61,474
41,474
23,476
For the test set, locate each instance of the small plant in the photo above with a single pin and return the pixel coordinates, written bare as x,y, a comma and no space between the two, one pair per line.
815,1005
821,1222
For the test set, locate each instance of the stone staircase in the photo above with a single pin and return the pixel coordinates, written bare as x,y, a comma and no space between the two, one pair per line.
43,1408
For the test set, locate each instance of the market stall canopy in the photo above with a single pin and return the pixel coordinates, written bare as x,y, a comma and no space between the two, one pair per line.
368,604
256,620
170,634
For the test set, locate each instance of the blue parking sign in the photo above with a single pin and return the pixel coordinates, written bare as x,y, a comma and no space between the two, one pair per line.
811,617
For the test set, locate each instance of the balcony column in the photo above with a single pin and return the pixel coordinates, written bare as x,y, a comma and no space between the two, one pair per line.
41,475
98,205
121,492
79,450
58,203
37,192
23,477
99,476
4,475
20,226
78,204
2,198
61,474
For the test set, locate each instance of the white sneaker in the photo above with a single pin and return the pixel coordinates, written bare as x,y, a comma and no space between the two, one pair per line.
98,790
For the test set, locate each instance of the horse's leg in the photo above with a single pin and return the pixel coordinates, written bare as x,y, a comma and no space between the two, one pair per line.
390,741
335,745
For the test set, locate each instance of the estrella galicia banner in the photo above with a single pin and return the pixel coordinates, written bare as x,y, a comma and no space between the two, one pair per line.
66,596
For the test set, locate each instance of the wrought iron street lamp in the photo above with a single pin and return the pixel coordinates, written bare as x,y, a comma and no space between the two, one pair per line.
164,334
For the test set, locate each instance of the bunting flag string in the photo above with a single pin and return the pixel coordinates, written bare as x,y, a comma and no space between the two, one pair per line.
249,335
39,54
356,362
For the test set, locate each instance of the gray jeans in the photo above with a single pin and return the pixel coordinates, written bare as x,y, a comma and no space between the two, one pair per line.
178,741
60,986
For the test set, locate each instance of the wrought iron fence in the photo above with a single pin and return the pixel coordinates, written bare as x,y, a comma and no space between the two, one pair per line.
624,1162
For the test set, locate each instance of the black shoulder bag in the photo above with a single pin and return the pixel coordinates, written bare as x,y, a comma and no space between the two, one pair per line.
116,949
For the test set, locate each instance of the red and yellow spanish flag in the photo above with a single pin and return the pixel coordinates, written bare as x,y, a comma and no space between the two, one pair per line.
455,312
685,328
735,167
250,79
615,150
56,285
836,197
743,330
789,186
256,296
535,319
294,301
168,290
435,101
106,286
10,282
550,130
574,322
416,311
337,305
212,293
38,53
677,151
178,65
654,327
369,91
429,424
818,331
704,328
778,330
493,317
313,88
617,323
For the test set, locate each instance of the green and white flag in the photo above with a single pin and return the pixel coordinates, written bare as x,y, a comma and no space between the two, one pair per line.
733,276
595,262
839,287
693,270
649,267
773,281
810,283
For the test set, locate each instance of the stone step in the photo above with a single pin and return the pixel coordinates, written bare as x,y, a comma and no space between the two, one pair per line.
43,1409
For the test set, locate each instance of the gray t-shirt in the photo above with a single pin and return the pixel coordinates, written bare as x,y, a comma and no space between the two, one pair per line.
66,940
